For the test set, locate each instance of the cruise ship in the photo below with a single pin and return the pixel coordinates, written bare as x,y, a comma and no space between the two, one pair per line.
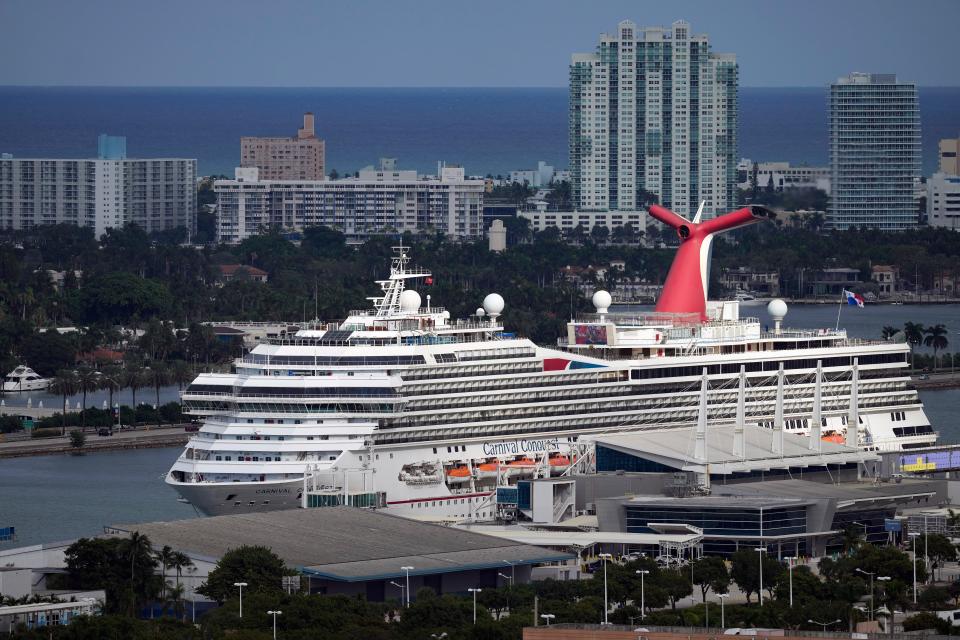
432,413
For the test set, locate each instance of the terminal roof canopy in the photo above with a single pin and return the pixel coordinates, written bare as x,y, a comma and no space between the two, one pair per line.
343,543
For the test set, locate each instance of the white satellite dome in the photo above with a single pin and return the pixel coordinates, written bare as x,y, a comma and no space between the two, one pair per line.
602,301
480,312
409,301
493,304
777,309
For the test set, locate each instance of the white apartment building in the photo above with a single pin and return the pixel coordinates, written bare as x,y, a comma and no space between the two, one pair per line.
156,194
943,201
874,152
542,176
378,201
653,111
784,176
568,220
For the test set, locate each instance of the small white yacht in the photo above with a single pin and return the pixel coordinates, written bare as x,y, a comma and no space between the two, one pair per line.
23,378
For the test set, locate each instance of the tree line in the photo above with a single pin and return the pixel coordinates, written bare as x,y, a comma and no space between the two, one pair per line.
127,568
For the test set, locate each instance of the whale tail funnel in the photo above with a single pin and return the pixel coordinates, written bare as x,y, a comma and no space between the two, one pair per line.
685,290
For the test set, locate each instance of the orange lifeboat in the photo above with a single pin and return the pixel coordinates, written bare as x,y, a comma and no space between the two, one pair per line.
459,474
835,438
488,469
559,462
521,466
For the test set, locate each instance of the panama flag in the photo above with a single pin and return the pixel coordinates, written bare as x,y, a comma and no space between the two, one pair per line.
853,299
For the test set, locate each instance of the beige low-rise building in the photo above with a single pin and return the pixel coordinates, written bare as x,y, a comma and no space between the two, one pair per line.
297,158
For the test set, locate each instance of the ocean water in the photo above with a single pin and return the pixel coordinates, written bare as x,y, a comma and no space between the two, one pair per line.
487,130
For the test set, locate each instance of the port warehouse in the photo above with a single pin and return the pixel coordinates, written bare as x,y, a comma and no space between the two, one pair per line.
351,551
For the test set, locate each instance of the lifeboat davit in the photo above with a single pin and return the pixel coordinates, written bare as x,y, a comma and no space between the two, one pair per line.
488,470
459,474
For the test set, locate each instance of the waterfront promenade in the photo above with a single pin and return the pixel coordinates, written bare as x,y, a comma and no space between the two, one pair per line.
140,438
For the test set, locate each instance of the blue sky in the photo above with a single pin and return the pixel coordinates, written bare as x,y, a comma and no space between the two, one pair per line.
452,42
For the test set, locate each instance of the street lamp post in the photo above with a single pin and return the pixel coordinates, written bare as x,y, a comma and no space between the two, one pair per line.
824,624
643,604
475,592
760,550
402,591
723,619
274,614
548,617
914,535
790,560
880,579
606,607
871,574
241,585
407,570
510,578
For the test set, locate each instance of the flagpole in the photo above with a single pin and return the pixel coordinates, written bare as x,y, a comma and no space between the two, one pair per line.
843,298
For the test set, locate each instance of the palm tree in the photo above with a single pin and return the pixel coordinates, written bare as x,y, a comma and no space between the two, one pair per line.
64,384
134,378
174,600
165,558
888,332
179,562
181,373
913,332
936,337
111,378
88,379
158,374
140,552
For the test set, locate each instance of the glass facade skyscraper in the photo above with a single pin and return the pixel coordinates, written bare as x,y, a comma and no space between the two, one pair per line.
874,152
653,113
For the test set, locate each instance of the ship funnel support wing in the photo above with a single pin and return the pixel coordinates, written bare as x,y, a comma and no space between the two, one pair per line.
685,290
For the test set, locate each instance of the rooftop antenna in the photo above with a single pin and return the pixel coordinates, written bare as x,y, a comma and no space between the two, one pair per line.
853,419
700,445
778,416
739,448
816,442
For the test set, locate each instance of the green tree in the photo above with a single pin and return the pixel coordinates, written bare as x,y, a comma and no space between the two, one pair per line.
159,375
165,557
676,584
941,550
47,352
135,377
258,566
888,332
111,379
124,568
88,379
65,384
936,338
913,331
710,572
77,440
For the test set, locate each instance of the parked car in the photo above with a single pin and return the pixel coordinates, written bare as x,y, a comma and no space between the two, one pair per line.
192,427
104,431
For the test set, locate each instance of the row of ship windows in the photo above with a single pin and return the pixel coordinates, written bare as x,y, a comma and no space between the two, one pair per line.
771,365
223,458
243,392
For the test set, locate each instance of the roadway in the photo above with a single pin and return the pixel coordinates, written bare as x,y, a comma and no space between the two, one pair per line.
142,437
